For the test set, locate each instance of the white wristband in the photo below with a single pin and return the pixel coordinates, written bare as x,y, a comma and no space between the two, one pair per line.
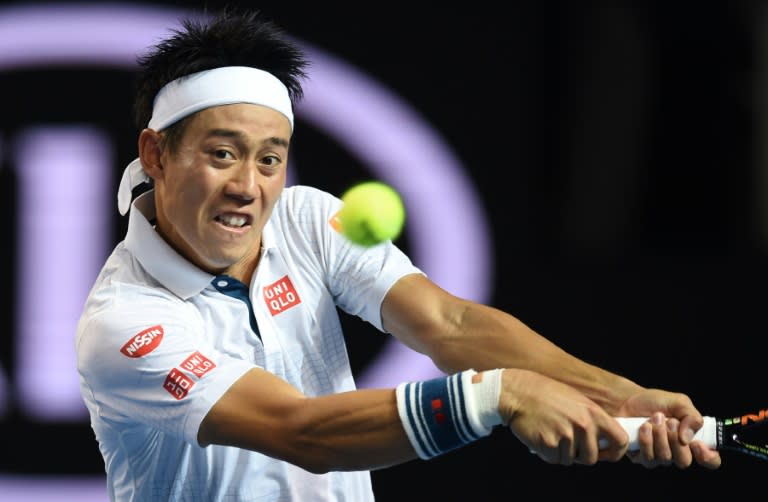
483,399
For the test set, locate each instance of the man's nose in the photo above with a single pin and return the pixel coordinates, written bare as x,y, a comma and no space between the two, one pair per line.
244,183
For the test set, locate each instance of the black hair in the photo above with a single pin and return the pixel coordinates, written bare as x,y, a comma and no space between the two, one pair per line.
230,38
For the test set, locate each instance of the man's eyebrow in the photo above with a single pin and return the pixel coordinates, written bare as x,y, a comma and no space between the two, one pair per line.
239,136
278,141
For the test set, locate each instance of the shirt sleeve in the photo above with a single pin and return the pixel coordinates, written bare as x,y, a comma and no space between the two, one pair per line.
151,364
364,277
359,277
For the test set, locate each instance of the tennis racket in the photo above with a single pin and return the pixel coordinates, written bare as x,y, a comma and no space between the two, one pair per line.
745,434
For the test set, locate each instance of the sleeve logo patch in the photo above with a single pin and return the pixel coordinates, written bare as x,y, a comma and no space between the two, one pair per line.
198,364
281,295
335,223
144,342
178,384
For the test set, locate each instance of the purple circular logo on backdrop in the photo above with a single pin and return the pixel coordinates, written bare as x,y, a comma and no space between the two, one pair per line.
446,227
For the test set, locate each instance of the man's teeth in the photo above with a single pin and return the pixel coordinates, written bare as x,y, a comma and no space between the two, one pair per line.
232,221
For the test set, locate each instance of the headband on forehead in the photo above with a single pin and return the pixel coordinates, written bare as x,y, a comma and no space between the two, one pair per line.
192,93
221,86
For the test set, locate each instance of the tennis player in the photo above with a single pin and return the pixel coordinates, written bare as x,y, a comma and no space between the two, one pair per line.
210,351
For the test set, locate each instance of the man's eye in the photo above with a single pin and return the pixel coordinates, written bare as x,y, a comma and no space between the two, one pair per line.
222,154
271,160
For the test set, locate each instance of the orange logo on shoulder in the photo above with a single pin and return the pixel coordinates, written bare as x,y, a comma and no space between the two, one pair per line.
335,222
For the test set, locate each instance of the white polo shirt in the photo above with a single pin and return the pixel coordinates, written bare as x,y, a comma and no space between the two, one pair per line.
158,344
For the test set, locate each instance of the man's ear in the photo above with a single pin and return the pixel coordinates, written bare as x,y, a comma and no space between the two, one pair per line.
150,150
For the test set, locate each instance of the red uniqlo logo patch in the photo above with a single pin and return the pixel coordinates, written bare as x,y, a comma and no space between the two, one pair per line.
281,295
178,384
144,342
198,364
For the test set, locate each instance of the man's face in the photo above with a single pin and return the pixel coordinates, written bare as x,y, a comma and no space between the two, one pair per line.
216,193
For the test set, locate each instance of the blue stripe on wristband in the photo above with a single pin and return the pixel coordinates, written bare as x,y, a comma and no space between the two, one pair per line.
459,410
425,447
435,416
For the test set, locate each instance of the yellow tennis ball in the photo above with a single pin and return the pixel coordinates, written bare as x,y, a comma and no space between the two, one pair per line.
372,213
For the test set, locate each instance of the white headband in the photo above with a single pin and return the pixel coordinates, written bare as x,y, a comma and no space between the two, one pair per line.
192,93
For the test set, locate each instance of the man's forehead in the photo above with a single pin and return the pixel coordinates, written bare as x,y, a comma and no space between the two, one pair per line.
241,119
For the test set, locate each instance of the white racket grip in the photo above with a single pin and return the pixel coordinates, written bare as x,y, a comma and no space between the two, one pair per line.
707,434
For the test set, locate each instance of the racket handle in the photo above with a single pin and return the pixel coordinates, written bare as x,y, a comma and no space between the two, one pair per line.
707,434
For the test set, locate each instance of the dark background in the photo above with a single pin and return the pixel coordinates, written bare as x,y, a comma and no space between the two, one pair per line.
617,148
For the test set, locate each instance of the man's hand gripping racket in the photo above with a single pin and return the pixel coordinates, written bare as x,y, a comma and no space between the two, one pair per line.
745,434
